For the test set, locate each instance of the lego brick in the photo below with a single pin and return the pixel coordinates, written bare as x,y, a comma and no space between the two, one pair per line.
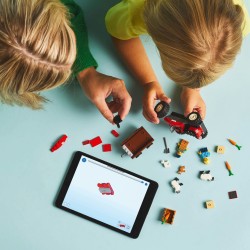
220,149
85,142
59,143
114,133
209,204
168,216
232,195
95,141
117,120
106,148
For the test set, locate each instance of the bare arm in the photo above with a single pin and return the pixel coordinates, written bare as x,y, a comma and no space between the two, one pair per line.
135,57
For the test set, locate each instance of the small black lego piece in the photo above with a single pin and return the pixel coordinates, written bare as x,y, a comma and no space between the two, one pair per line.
117,120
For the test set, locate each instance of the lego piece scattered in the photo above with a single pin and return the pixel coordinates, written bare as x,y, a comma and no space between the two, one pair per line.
85,142
166,150
220,149
191,125
105,188
95,141
232,195
235,144
137,142
209,204
181,148
114,133
59,143
117,120
176,185
229,168
168,216
181,170
166,163
106,148
204,153
206,176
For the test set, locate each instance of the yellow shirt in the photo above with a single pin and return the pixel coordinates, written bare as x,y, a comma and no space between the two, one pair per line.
125,19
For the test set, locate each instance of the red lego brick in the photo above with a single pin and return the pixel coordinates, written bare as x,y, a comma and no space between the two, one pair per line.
59,143
114,133
85,142
106,147
95,141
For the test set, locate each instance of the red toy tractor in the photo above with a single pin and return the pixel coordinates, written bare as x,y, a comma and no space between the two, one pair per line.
191,125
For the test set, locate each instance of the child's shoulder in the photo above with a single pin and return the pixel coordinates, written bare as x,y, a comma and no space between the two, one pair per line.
125,20
246,25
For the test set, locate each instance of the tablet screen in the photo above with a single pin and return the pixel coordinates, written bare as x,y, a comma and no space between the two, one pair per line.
106,193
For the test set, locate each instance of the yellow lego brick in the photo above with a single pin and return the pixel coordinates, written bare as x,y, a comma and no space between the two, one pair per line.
220,149
209,204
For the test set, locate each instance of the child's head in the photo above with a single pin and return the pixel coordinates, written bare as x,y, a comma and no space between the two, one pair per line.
37,49
197,39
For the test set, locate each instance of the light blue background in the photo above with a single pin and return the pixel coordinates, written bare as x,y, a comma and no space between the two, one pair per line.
30,175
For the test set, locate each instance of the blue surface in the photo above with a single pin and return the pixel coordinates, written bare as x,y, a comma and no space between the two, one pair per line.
30,175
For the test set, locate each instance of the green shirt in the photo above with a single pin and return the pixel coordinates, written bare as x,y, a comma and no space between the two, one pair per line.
84,58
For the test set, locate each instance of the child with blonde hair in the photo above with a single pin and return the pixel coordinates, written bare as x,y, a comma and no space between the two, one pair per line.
42,44
197,40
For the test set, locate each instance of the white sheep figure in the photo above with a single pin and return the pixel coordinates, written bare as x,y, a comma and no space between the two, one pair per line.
166,163
206,176
176,185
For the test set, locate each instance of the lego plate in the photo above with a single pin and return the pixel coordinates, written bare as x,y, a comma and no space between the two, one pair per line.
104,193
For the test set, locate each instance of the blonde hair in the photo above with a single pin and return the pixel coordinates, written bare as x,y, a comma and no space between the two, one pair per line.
37,49
198,40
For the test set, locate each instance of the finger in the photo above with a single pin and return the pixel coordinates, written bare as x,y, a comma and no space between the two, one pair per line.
188,109
148,109
104,109
125,107
122,96
202,112
164,98
146,116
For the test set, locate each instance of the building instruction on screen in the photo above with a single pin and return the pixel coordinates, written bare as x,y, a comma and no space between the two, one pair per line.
105,194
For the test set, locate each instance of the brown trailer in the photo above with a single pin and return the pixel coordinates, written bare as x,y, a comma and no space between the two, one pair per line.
137,142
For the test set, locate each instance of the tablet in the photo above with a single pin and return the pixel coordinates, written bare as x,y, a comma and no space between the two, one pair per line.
106,194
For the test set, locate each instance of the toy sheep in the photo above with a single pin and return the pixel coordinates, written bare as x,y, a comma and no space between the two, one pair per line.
206,176
176,185
166,163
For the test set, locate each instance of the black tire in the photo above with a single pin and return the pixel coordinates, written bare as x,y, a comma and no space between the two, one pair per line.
161,109
194,119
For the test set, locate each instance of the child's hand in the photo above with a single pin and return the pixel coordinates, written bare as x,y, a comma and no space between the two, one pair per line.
97,87
192,101
152,92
